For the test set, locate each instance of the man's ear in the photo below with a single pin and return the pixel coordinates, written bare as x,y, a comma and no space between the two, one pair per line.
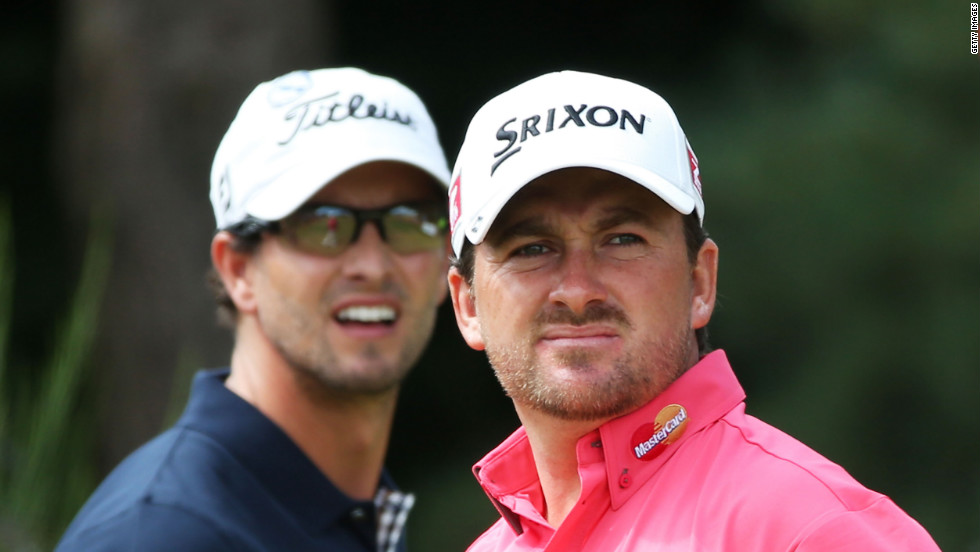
705,279
233,269
464,305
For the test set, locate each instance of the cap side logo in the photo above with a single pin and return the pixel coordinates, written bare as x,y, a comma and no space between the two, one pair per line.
289,88
695,171
650,440
455,205
223,193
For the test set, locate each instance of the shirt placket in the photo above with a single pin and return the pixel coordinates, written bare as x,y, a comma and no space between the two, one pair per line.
593,502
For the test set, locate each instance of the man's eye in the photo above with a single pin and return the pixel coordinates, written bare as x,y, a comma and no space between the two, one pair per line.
626,239
530,250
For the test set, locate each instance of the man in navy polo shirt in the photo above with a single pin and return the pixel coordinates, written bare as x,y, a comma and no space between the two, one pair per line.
329,263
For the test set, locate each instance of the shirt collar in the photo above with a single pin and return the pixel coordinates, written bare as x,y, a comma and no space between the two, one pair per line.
266,451
638,444
509,477
701,396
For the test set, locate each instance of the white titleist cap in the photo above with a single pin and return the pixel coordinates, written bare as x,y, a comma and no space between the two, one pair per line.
568,119
298,132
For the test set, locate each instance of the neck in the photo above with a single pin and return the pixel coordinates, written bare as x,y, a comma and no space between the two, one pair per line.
345,436
553,442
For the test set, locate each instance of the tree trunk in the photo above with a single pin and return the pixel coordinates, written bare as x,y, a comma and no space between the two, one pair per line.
147,89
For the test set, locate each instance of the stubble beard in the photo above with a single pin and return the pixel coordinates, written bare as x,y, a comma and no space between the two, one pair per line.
299,334
633,379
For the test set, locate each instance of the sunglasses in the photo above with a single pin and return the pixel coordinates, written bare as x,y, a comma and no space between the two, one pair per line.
328,230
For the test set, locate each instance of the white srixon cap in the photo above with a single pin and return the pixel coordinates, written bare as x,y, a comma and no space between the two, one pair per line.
296,133
568,119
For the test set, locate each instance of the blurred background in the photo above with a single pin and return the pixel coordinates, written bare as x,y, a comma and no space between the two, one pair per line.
839,147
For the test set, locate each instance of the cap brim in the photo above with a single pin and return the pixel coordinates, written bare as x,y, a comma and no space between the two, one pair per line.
294,188
660,186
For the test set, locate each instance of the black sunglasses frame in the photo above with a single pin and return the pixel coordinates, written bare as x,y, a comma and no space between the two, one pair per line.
252,227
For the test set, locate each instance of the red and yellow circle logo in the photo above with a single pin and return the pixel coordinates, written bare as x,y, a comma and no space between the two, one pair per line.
650,440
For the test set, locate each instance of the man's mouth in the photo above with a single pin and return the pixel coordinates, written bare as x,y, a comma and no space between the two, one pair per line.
590,336
363,314
579,332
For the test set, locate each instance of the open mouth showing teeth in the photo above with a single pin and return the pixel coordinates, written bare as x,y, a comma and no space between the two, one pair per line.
367,315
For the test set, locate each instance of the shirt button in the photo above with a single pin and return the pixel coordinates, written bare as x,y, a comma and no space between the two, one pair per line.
625,480
358,514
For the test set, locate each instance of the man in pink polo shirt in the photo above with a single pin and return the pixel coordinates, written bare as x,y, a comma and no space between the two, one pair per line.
582,268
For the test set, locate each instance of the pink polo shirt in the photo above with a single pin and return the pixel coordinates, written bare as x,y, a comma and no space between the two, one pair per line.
691,471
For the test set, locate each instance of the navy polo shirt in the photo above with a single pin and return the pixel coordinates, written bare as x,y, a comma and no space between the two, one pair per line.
223,478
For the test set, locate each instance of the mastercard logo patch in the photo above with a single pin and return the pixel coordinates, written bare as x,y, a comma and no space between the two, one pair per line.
650,440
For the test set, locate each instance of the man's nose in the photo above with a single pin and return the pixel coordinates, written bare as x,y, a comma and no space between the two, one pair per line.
369,257
579,283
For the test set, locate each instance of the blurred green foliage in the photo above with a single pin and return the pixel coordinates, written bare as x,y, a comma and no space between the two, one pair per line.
845,194
47,440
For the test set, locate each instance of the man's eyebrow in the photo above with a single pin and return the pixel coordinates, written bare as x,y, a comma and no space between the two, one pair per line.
528,227
535,226
623,215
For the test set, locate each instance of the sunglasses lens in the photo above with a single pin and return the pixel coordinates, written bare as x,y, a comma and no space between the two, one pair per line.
328,231
324,231
415,229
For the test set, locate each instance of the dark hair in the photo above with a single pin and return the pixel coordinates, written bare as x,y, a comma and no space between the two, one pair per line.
694,237
246,237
